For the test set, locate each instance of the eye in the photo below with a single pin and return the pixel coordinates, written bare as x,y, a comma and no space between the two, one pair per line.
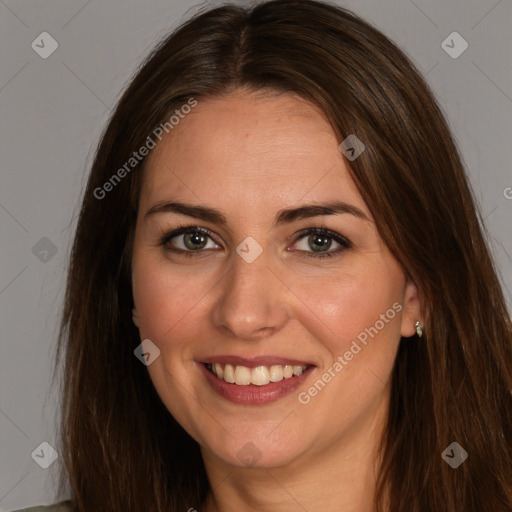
192,241
189,240
320,240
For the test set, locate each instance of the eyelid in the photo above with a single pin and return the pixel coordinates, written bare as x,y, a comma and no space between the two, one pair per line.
322,230
344,242
167,235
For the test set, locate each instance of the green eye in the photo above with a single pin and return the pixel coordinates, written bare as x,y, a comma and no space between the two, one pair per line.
194,242
320,240
194,239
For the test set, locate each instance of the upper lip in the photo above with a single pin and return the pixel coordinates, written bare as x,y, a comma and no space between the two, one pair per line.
253,362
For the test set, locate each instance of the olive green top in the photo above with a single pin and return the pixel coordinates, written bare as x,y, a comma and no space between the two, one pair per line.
62,506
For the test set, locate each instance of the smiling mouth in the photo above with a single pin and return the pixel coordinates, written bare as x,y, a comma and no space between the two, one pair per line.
258,376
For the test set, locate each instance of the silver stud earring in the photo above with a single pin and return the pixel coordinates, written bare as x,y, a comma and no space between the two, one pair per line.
419,330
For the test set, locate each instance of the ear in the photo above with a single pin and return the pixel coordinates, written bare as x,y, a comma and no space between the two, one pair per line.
135,317
411,310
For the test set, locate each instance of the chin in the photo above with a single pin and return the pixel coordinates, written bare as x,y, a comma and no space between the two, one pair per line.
242,452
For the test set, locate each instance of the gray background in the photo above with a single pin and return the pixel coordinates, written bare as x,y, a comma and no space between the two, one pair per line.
52,113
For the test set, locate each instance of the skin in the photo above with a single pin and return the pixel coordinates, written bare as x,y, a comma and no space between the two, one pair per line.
250,155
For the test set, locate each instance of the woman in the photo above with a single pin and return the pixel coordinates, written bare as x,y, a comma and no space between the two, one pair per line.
279,296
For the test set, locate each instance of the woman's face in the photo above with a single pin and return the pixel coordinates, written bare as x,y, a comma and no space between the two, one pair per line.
255,295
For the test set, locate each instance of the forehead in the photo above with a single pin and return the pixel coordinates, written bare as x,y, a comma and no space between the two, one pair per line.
250,149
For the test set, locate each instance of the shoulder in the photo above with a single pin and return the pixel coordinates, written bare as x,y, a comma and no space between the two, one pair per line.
62,506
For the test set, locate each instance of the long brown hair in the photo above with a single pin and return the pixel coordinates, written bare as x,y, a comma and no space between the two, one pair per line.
122,449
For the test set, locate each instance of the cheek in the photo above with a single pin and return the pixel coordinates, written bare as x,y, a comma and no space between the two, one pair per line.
357,320
357,314
164,295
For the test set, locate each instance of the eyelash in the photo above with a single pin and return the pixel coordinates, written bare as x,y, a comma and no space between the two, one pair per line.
165,237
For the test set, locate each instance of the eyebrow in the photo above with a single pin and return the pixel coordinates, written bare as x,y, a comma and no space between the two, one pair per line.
284,216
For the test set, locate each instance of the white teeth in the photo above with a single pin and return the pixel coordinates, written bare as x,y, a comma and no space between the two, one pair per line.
242,375
287,371
276,373
217,369
258,376
229,374
297,370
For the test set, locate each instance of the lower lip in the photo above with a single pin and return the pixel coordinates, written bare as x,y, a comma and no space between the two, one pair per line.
251,394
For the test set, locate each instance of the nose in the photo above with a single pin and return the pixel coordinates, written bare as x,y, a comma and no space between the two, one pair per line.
253,302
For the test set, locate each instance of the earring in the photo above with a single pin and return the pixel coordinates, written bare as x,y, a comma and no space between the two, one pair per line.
419,330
